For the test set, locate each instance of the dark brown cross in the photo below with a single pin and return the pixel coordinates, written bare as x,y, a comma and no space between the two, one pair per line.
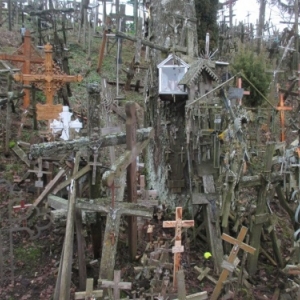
89,294
178,224
27,55
282,109
238,244
48,77
116,285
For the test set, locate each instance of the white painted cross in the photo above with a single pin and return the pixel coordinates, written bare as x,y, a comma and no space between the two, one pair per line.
65,124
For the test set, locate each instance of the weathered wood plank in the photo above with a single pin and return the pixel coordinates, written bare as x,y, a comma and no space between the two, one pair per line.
61,148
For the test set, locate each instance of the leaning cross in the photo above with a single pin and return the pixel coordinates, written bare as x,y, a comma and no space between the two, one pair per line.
178,248
26,54
238,243
116,285
113,221
48,77
282,108
89,293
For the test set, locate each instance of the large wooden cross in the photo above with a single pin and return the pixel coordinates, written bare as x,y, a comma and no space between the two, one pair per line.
27,55
178,224
282,109
116,285
238,244
113,220
48,77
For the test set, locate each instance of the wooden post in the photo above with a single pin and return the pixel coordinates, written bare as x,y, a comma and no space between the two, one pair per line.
238,244
89,292
178,224
62,289
260,213
116,285
131,175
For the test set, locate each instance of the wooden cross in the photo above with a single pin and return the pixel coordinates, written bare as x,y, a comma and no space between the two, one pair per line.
238,243
39,173
113,220
178,224
89,294
116,285
239,85
48,77
282,108
27,55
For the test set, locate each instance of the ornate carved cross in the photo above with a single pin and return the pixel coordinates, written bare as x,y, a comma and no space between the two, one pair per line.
48,77
27,55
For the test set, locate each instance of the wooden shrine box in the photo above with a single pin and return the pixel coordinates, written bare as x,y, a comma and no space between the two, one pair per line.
198,80
171,71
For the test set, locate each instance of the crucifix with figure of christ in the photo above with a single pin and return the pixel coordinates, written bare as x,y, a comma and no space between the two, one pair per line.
49,78
26,55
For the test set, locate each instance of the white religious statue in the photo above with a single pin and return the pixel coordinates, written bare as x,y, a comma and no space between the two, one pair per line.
65,124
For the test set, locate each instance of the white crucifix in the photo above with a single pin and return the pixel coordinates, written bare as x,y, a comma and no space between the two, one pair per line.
65,124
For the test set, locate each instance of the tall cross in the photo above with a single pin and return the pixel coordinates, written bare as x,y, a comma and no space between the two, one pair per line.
178,224
26,54
89,293
48,77
116,285
238,244
282,108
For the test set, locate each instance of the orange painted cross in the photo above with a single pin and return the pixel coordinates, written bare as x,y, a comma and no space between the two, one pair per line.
282,108
238,244
178,248
48,77
27,55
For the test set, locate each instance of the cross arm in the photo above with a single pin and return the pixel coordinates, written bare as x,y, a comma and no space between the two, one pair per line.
124,208
144,42
234,241
122,163
58,148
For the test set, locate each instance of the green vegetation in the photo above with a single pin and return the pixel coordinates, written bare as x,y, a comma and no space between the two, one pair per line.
253,66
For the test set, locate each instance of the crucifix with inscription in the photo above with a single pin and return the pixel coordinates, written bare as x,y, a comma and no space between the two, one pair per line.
178,224
238,244
26,55
49,78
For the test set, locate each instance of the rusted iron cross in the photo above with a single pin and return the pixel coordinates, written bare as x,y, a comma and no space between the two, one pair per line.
178,248
48,77
116,285
282,108
27,55
238,244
